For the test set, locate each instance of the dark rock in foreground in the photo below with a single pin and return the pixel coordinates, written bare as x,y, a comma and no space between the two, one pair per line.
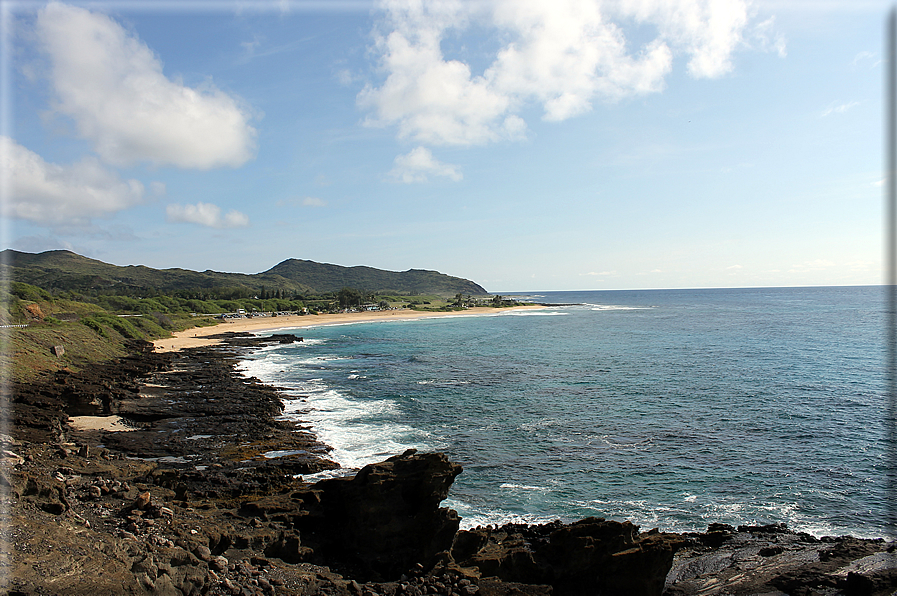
773,560
386,519
591,556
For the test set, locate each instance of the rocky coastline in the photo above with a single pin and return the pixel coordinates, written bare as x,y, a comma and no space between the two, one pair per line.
206,494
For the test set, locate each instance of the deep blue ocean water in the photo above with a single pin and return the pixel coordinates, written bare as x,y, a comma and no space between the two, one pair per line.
669,408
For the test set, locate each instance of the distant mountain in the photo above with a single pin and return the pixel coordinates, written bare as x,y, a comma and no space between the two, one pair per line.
65,270
327,278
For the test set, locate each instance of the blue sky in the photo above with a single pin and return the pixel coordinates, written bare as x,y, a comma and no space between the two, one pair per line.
526,145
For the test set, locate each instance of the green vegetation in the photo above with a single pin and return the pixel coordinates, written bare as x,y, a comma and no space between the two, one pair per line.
93,310
27,353
88,331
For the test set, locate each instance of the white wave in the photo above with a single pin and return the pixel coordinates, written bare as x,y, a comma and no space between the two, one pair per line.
359,432
326,474
617,307
512,486
695,512
539,424
473,517
532,313
636,445
282,453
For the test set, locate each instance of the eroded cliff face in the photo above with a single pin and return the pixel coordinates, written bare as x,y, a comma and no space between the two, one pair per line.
384,520
192,502
590,556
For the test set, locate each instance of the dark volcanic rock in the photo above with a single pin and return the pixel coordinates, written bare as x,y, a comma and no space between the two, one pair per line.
591,556
39,410
775,560
385,519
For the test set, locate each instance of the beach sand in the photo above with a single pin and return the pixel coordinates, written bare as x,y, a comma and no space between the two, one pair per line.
108,423
199,336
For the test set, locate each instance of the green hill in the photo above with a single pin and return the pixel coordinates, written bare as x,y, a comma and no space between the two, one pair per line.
329,278
65,270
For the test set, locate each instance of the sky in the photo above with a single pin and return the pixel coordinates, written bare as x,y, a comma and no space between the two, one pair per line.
526,145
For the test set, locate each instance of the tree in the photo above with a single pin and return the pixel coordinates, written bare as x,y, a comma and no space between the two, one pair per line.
347,297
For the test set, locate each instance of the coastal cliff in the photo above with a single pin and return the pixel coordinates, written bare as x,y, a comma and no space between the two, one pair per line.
199,488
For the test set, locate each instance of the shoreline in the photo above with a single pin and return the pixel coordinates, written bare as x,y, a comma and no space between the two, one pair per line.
190,502
202,336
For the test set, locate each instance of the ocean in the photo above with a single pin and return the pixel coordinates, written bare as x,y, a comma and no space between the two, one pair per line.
669,408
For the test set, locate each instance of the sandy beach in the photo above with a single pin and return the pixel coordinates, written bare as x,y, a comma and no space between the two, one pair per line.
199,336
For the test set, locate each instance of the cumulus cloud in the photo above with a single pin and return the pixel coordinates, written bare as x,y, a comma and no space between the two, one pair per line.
205,214
419,164
708,31
431,99
112,85
562,55
62,195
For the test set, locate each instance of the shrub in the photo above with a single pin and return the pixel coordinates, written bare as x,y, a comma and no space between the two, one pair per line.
28,292
92,323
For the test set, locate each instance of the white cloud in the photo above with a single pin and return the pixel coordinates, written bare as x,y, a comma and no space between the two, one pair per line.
345,77
563,55
567,53
205,214
863,57
768,39
706,30
112,85
418,164
52,195
432,100
838,108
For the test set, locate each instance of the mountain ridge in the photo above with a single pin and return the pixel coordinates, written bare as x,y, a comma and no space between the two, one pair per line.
66,270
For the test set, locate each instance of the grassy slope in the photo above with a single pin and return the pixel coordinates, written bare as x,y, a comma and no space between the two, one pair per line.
29,357
96,336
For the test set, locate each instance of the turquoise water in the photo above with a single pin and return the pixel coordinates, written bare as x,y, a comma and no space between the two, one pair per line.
670,408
